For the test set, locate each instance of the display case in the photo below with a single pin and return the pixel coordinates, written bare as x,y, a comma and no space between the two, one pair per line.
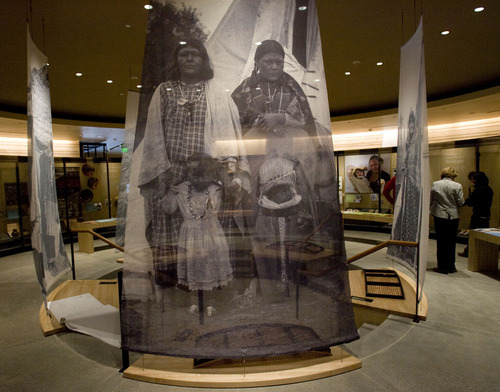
87,190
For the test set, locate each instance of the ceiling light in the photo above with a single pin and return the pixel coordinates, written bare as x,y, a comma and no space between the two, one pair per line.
317,80
356,62
109,81
347,73
446,32
380,63
258,43
302,8
478,9
127,26
139,86
182,42
148,6
78,74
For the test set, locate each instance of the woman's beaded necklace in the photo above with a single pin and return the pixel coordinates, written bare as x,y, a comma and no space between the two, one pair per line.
190,205
270,97
190,104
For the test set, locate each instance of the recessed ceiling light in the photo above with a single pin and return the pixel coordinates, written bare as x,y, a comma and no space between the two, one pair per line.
148,6
78,74
446,32
139,86
478,9
380,63
317,80
109,81
127,26
258,43
302,8
182,42
134,77
347,73
356,62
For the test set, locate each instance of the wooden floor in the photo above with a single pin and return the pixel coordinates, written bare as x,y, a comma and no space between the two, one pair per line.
265,372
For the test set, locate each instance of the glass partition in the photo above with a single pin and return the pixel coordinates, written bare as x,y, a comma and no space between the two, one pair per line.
87,190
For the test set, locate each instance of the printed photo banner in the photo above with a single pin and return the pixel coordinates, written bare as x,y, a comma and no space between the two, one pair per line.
367,173
49,255
127,150
411,210
234,241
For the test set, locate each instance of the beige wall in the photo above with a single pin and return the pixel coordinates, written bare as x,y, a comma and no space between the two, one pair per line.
489,162
462,159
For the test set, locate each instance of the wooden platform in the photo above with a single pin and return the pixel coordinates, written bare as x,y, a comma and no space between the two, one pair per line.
264,372
180,371
375,310
106,291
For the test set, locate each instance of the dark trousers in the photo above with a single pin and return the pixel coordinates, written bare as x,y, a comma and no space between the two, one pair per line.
446,238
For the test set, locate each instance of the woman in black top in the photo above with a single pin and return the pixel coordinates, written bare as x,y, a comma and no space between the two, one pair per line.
480,200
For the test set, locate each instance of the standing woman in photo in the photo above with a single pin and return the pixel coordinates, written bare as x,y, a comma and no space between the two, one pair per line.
188,114
273,108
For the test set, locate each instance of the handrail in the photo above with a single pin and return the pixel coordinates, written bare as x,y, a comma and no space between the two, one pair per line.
381,246
121,249
349,260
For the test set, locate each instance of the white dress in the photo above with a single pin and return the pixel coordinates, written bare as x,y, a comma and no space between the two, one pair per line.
203,258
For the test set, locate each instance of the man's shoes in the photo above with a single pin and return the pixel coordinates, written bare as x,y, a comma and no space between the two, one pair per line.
436,269
453,270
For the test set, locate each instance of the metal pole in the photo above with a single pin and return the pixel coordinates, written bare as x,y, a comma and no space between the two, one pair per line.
68,229
416,320
109,190
19,205
201,307
125,353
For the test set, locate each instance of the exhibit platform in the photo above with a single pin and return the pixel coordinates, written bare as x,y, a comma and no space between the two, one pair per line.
249,372
242,373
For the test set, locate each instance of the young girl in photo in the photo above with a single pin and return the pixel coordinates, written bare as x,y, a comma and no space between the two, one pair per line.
203,260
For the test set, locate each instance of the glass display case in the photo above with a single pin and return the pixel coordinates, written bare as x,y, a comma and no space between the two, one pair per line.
87,190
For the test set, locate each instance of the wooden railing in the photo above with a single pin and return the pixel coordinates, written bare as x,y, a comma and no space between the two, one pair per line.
100,237
382,245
